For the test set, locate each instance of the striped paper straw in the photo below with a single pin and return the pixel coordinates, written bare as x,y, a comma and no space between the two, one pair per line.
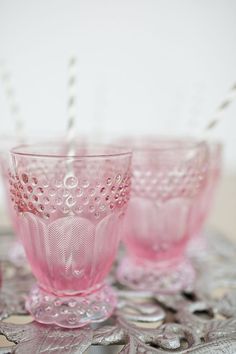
219,114
71,105
12,102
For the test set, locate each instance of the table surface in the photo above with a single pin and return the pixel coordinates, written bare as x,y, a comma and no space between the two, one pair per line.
203,321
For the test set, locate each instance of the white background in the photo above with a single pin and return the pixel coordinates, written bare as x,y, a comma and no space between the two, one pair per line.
159,66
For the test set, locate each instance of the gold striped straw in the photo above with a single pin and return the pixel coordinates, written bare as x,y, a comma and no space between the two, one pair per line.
219,114
12,102
71,105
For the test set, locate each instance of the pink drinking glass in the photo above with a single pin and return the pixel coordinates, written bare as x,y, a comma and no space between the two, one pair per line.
16,252
7,142
70,210
167,178
206,197
0,275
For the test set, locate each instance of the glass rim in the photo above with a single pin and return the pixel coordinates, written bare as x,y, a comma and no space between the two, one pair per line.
164,144
118,151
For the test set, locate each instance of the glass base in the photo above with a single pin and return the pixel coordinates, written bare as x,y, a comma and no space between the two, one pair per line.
165,278
71,311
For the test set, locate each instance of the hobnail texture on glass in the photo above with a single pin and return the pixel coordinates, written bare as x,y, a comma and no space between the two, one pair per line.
167,178
71,311
70,212
16,252
166,278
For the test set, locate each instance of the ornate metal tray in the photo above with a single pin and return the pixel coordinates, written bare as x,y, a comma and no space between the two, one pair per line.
200,321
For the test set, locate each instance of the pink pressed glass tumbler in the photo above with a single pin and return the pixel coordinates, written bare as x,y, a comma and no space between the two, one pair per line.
70,210
16,252
167,177
0,276
206,197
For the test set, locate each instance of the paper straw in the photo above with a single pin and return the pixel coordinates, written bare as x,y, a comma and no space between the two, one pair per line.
11,98
71,116
71,105
219,114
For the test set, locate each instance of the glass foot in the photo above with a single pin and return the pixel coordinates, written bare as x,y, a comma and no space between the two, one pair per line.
166,279
71,311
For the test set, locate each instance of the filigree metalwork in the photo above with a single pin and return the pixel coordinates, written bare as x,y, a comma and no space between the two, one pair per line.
202,321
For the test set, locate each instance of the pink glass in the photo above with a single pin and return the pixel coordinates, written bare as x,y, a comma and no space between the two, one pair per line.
206,197
167,178
16,252
7,142
0,275
70,211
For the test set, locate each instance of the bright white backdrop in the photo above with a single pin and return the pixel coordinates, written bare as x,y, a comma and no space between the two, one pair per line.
159,66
